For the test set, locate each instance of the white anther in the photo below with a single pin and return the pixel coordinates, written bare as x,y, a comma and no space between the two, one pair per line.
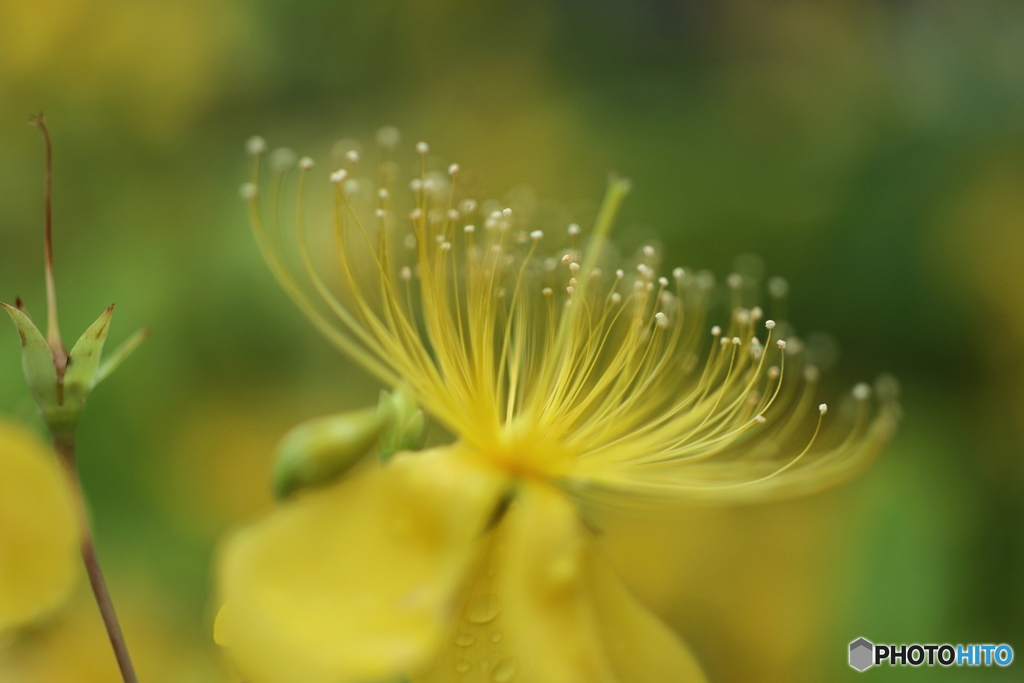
453,214
256,146
339,176
661,319
781,343
715,331
507,213
469,206
352,156
823,408
306,163
380,213
756,352
735,280
422,147
453,169
778,287
416,214
773,372
405,273
759,419
862,391
382,193
663,281
645,271
638,285
724,341
620,273
742,316
812,373
415,184
439,238
469,229
596,272
282,159
547,291
537,235
388,137
570,289
678,273
446,246
428,184
573,281
648,251
736,341
566,258
574,229
769,324
616,297
248,190
574,267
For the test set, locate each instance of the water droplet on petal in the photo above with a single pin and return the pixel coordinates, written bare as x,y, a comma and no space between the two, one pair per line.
496,637
505,671
483,610
464,640
463,667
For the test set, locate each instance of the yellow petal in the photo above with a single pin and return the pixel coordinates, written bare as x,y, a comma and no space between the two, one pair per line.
544,607
355,581
38,530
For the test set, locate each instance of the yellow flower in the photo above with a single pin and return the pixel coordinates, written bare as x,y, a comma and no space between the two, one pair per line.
567,388
38,530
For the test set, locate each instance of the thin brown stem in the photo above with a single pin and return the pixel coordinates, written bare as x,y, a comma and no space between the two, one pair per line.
65,449
53,328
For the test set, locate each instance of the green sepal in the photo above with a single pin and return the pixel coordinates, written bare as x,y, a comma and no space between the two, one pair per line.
320,450
407,424
36,360
84,360
111,362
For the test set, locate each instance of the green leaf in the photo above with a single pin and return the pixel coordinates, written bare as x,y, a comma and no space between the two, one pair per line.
37,361
84,360
123,351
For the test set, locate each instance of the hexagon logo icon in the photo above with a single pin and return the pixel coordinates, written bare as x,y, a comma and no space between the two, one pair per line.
862,654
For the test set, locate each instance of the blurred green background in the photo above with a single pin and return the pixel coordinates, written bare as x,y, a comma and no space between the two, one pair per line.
871,151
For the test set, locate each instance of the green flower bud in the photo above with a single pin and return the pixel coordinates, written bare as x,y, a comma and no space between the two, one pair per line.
318,451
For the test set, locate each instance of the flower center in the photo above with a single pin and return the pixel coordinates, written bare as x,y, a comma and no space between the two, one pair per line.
523,451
